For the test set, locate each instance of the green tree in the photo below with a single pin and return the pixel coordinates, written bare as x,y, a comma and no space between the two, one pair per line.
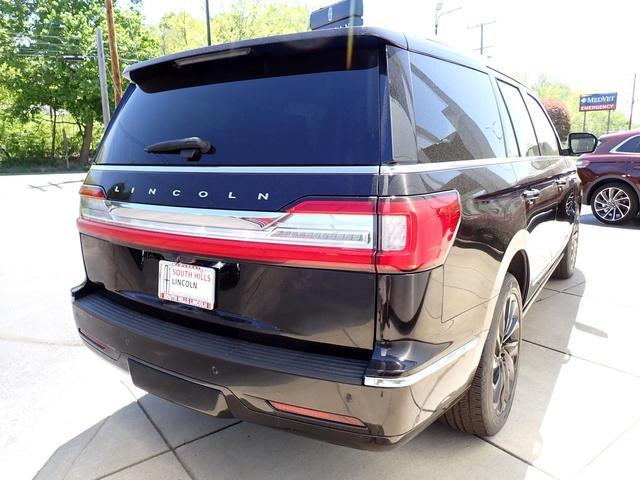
251,19
181,31
560,116
596,122
242,20
47,51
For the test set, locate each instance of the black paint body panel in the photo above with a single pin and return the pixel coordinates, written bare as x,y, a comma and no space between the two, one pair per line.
311,337
324,306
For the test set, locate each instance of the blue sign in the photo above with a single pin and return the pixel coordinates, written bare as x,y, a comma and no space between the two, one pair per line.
598,101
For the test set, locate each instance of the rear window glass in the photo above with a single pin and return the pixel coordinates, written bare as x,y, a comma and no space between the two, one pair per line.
456,114
295,112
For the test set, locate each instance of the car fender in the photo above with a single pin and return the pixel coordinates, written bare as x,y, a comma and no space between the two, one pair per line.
586,198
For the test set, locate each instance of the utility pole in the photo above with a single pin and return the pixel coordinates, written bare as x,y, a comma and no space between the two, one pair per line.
113,51
440,13
206,11
633,99
102,74
481,26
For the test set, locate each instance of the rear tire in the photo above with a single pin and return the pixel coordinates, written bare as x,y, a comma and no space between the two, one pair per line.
485,407
614,203
567,265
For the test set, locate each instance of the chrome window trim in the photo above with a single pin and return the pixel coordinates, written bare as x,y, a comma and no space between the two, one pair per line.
399,382
363,169
615,149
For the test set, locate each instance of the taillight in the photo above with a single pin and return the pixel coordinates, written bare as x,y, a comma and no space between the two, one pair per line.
416,233
93,191
582,163
396,234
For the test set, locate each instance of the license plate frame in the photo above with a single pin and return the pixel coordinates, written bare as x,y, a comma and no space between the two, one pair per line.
188,284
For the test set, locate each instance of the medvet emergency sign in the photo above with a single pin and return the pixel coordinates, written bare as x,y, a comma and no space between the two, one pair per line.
598,101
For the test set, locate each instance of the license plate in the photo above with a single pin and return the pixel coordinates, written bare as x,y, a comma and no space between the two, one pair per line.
188,284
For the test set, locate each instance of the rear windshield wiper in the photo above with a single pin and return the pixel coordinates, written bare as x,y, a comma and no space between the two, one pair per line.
190,148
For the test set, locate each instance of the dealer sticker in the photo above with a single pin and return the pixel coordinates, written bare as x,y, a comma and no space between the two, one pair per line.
189,284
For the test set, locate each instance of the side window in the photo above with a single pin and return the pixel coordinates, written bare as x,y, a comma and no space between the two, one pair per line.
547,140
456,112
630,146
521,121
509,132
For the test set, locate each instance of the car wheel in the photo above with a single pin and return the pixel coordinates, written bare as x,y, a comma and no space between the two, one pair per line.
567,265
484,408
614,203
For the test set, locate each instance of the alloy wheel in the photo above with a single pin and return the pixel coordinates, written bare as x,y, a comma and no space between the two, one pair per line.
505,356
612,204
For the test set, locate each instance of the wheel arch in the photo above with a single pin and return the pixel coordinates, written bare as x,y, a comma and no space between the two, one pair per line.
516,262
607,179
519,268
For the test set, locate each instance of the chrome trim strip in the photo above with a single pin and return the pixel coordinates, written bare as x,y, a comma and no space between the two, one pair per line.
399,382
334,169
452,165
195,217
323,230
363,169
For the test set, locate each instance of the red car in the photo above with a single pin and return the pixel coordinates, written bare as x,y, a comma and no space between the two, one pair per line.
611,177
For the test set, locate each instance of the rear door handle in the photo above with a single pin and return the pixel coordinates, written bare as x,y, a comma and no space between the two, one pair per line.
531,194
561,182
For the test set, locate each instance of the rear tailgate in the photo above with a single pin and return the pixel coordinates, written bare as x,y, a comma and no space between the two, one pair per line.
292,134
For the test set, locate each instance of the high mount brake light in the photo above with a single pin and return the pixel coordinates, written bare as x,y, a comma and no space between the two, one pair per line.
387,235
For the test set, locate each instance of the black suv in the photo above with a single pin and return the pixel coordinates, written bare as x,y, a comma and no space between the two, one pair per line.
335,232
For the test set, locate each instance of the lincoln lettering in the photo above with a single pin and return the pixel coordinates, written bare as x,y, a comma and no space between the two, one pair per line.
176,192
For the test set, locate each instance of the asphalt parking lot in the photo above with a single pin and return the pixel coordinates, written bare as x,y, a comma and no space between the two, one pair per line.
65,414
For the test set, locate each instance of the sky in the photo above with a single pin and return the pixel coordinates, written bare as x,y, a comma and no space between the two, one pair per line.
592,45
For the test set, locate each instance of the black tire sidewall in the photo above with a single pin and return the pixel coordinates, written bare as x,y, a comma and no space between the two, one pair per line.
492,421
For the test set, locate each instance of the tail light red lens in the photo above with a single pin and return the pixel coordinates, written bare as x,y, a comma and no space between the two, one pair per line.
416,233
93,191
395,234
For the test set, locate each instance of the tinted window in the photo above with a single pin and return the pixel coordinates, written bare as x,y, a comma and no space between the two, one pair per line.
521,121
630,146
547,140
265,116
456,114
509,133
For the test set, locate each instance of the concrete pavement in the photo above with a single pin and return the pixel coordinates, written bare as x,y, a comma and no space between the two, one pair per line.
68,415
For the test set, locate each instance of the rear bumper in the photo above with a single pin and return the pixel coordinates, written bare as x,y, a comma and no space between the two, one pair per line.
229,377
